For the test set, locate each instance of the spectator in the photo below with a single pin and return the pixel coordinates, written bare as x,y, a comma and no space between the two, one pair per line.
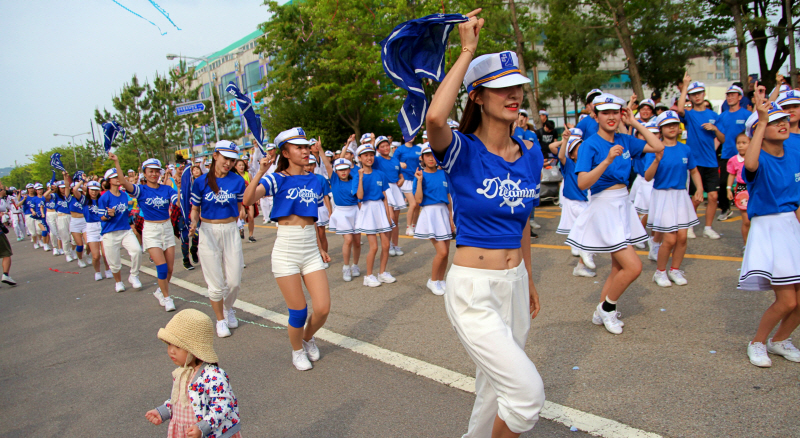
546,135
543,117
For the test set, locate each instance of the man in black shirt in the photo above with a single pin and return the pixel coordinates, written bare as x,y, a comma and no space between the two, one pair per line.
547,135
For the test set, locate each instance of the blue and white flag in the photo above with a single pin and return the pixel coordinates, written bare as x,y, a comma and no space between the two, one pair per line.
110,131
414,51
78,176
246,108
186,194
52,179
55,162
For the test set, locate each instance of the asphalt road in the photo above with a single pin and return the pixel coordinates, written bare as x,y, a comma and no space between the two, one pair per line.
77,357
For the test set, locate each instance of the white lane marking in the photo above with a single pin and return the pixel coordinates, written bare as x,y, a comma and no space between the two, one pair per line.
584,421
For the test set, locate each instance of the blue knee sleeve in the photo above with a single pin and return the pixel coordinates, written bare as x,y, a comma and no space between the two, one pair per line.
161,271
79,248
44,233
297,318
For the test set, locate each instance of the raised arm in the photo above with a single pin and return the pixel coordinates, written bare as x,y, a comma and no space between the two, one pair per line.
120,176
418,194
684,87
653,143
255,190
754,149
560,148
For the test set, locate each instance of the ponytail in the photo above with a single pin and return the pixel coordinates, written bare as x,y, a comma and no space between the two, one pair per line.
472,116
212,176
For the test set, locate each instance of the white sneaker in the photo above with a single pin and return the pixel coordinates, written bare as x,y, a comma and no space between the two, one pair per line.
371,281
81,263
391,251
661,279
442,285
55,252
575,252
300,360
35,246
354,271
169,305
710,233
410,231
47,247
676,276
725,215
609,320
231,318
582,271
433,286
69,258
757,352
109,274
535,226
690,233
311,349
98,276
653,254
588,259
784,348
222,329
325,265
346,274
60,252
134,281
8,280
398,251
119,286
159,296
639,245
386,277
596,320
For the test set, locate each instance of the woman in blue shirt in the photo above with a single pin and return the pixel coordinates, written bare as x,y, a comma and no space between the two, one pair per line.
391,167
296,255
494,181
772,255
435,216
610,223
64,218
51,217
216,199
116,231
343,218
92,213
77,223
158,238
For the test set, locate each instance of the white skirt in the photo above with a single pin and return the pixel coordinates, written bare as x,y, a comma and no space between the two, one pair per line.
570,210
772,254
77,224
434,223
671,210
643,196
408,186
295,251
92,232
371,218
608,224
323,217
635,188
158,235
343,219
395,197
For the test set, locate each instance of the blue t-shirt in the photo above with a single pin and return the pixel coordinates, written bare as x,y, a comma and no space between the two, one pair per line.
524,134
638,164
594,150
118,203
295,194
354,171
671,172
775,186
35,205
699,140
742,103
731,124
154,203
51,204
492,198
793,141
374,185
571,190
223,204
76,204
390,167
92,211
588,126
343,192
326,187
62,204
434,188
410,156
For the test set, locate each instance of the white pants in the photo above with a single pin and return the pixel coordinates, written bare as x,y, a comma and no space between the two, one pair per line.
220,252
489,310
113,243
266,206
30,224
62,225
18,221
52,222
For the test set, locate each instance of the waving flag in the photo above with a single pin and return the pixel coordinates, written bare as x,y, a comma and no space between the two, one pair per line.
78,175
52,179
246,107
110,131
412,52
55,162
186,193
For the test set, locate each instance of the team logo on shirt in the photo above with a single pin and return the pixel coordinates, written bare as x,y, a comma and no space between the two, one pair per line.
121,208
380,183
306,196
63,204
507,189
157,202
685,160
626,155
797,177
220,198
444,183
94,209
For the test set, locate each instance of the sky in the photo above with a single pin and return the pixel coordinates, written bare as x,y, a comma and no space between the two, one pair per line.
62,59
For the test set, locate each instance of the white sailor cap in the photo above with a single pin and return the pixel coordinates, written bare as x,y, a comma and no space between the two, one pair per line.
735,89
790,97
338,151
380,139
38,186
93,185
661,105
293,136
667,117
424,135
782,89
171,166
572,142
582,116
452,124
575,132
426,149
652,126
523,113
494,70
395,144
696,87
342,163
131,171
271,146
110,173
60,184
196,160
227,149
607,101
775,112
365,137
592,94
648,102
543,113
312,159
364,148
152,163
328,153
312,141
29,186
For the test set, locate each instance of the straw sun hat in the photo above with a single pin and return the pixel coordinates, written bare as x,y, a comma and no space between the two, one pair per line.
193,331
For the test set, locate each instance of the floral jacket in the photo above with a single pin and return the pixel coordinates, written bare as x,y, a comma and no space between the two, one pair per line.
214,404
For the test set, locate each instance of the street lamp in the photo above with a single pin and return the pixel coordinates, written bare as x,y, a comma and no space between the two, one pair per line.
171,56
75,156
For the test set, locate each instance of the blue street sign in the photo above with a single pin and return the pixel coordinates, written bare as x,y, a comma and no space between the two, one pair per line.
190,109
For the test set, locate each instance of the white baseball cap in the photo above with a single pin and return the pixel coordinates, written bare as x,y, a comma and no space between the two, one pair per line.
494,70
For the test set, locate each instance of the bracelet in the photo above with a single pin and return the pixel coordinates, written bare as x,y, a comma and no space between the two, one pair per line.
464,49
728,187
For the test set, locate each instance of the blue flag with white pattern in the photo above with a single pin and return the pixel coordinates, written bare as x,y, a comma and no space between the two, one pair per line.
186,193
246,107
110,132
78,175
55,162
414,51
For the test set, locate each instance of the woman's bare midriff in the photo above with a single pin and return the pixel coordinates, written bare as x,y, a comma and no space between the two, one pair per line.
294,219
482,258
162,221
227,220
617,186
76,215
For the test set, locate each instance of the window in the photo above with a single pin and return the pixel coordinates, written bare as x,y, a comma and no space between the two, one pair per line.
252,74
735,76
720,75
735,64
710,76
205,92
230,77
543,75
720,64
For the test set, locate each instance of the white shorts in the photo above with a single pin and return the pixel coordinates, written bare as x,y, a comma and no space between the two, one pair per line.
434,223
343,219
372,219
570,210
158,235
671,210
772,254
608,224
323,217
295,251
77,225
92,232
643,196
395,197
408,186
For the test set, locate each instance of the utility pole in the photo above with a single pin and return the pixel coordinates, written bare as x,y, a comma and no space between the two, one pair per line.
790,30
